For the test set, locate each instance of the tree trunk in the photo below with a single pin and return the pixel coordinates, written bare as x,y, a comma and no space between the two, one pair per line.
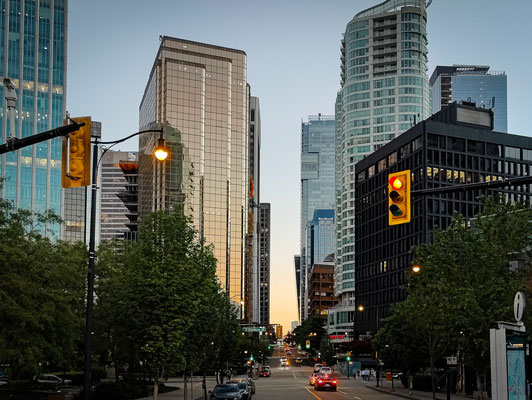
185,386
480,387
432,356
156,387
192,385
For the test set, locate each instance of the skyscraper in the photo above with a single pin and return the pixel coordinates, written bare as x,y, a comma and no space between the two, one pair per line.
199,91
474,83
254,203
264,272
317,185
33,55
384,91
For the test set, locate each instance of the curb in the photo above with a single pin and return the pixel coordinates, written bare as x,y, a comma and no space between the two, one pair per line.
404,396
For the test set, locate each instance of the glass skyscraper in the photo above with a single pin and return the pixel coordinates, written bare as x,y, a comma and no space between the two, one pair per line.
317,185
200,92
33,50
384,91
474,83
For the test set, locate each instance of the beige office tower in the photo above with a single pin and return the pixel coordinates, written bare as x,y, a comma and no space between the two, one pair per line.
200,94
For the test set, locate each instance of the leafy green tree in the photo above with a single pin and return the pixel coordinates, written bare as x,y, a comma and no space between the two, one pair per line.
465,285
310,329
169,273
41,293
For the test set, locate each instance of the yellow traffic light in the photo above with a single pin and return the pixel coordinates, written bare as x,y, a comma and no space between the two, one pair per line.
399,198
76,156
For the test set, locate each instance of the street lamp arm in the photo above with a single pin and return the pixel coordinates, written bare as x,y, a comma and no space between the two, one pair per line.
132,135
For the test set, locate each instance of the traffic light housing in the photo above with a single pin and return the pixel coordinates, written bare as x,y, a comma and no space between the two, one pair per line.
399,198
76,156
348,358
307,344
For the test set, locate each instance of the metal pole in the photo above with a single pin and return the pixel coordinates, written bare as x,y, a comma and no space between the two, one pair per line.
90,278
448,383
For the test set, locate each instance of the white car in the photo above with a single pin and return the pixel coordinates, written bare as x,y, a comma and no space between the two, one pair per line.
326,371
50,379
318,367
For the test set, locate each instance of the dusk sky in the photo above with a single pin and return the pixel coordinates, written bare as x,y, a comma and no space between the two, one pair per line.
293,66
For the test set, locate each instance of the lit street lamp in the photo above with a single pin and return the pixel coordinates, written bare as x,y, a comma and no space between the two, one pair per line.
416,269
160,153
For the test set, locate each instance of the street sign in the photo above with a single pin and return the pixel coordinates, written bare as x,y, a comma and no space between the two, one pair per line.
453,360
254,329
364,337
519,306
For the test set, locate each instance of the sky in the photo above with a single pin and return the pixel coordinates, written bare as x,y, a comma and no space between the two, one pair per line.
293,66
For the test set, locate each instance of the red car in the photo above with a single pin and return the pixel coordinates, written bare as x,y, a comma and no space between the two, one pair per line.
325,382
265,371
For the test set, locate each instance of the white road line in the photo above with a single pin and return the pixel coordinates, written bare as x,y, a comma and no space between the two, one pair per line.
341,391
356,397
293,372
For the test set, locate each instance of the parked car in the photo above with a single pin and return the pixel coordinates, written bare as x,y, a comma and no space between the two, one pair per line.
325,382
226,391
49,379
326,370
312,378
265,371
318,367
245,389
288,353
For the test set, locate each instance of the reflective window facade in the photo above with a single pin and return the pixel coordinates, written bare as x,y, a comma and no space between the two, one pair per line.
33,55
474,83
384,92
201,92
317,184
119,194
264,272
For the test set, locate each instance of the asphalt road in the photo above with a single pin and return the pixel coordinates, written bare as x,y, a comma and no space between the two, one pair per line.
291,383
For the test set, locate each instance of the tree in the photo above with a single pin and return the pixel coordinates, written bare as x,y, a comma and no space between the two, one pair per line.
466,285
169,273
311,329
41,293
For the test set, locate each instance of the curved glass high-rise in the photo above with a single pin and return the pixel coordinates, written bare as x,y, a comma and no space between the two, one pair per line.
384,91
33,48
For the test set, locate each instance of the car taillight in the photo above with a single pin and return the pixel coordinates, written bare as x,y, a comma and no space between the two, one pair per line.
334,381
320,381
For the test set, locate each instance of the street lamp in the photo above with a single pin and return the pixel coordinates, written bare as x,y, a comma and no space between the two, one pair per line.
360,308
163,153
416,269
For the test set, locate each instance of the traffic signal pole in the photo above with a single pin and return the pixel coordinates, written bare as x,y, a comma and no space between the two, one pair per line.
14,143
90,277
474,186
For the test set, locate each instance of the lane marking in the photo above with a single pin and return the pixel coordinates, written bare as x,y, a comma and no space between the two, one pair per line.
341,391
316,396
293,373
356,397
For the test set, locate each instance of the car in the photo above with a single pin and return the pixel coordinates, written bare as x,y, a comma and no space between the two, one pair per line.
288,353
318,367
243,386
312,378
325,382
226,391
49,379
265,371
326,370
299,361
285,362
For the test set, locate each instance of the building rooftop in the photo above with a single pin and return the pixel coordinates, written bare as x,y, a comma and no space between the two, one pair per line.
462,69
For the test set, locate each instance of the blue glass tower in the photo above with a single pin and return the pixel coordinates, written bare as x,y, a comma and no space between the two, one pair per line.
317,184
33,50
476,83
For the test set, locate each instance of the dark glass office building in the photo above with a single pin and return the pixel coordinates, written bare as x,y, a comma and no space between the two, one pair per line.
455,146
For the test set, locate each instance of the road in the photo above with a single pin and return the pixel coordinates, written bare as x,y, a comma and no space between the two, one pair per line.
291,383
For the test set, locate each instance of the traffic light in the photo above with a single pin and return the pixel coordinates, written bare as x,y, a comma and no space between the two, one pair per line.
307,344
76,156
399,198
251,358
348,358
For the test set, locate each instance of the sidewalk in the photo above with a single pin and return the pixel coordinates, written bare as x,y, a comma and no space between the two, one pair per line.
401,391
